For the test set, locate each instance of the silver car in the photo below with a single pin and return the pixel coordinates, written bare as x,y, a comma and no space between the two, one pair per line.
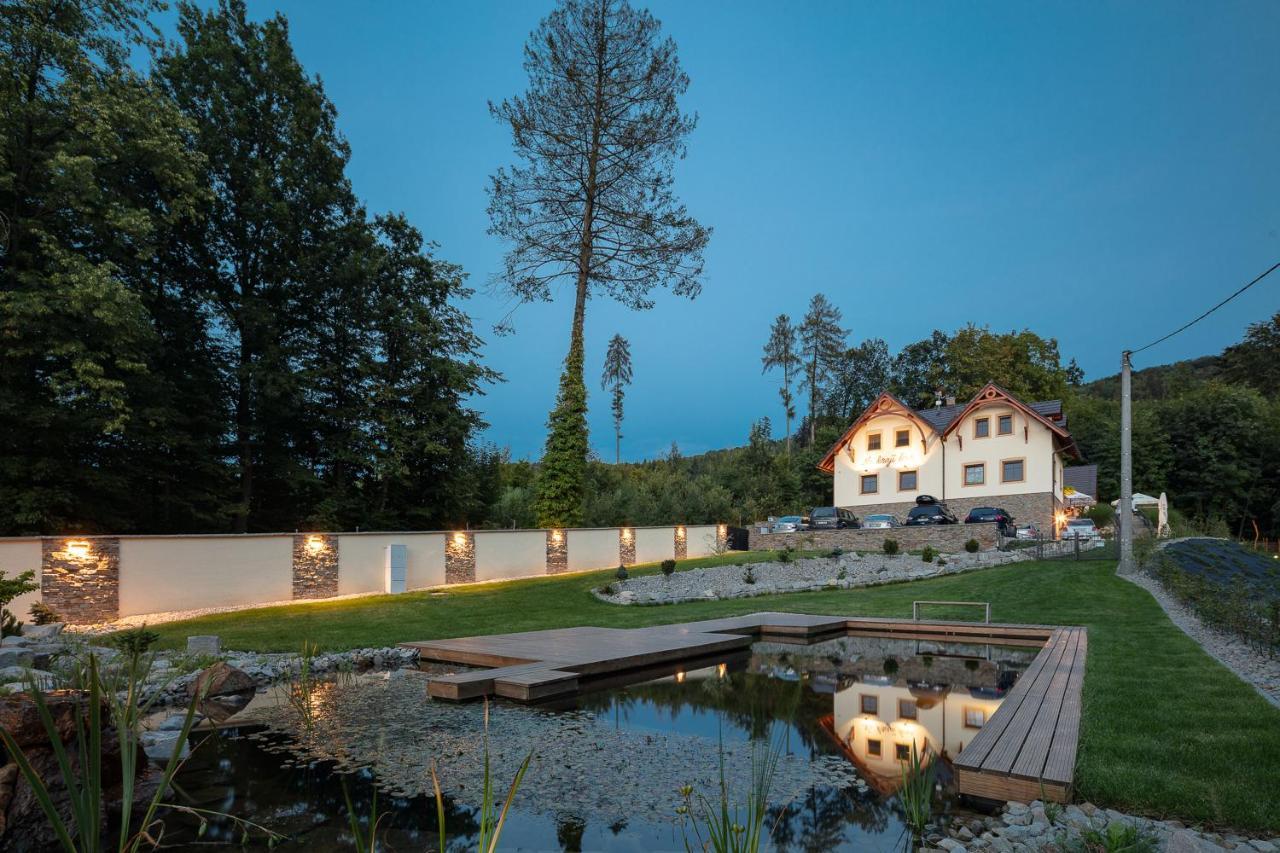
788,524
879,522
1081,528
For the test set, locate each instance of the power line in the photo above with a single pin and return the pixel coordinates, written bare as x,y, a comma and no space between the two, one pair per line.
1186,326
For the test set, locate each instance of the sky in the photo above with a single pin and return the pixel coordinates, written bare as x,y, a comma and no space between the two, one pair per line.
1096,172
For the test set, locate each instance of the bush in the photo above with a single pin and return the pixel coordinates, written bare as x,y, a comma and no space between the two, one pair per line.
1103,514
607,589
11,588
891,546
785,555
135,642
836,552
43,614
748,576
928,553
621,573
972,546
668,567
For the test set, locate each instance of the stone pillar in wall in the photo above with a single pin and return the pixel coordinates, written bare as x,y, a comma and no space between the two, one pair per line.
722,538
315,565
681,542
557,552
80,579
626,547
460,558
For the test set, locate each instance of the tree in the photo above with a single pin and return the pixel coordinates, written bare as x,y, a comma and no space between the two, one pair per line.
617,375
262,254
93,169
1022,362
860,375
919,369
598,132
1255,361
821,344
780,354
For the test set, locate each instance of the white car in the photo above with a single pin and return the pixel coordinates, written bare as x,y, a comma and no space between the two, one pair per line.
788,524
1081,528
879,522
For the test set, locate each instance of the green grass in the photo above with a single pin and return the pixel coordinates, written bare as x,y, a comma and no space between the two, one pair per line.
1167,731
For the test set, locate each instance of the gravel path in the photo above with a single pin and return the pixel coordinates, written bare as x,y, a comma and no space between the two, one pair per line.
1257,669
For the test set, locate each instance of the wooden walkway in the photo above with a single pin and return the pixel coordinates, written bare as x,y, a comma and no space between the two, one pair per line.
1026,750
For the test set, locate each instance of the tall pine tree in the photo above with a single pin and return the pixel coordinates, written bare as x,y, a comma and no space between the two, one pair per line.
615,379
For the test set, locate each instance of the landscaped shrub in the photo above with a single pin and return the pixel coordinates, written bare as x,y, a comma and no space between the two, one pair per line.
607,589
668,567
928,553
43,614
972,546
842,574
621,573
11,588
748,576
134,643
1103,514
891,546
785,555
835,552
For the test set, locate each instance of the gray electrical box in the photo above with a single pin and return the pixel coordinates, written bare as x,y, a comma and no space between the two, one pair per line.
397,567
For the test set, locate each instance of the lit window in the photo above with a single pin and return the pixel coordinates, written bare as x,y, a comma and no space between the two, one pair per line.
870,705
870,484
873,441
982,427
873,748
1005,425
975,474
1011,471
902,751
906,709
902,438
906,481
974,718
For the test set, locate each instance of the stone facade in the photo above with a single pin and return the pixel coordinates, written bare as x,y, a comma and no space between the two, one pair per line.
315,566
1038,508
626,547
681,548
946,538
460,558
80,579
557,552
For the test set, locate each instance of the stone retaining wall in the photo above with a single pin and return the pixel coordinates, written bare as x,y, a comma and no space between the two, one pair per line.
946,538
1038,508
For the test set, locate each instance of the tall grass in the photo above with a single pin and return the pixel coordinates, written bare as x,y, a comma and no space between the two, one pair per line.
729,827
916,792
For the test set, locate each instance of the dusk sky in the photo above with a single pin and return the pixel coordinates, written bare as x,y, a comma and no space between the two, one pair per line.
1096,172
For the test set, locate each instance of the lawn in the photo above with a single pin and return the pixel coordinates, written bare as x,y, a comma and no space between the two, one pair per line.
1167,731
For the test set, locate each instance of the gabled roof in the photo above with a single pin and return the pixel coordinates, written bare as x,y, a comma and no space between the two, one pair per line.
1082,478
942,420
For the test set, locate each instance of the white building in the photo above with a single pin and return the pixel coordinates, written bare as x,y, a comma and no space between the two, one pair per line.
994,450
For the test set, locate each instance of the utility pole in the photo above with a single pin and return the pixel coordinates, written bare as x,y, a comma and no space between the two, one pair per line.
1124,518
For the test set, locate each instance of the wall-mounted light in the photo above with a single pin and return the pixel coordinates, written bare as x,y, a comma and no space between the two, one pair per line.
680,677
557,536
78,548
315,544
626,534
680,531
722,529
459,539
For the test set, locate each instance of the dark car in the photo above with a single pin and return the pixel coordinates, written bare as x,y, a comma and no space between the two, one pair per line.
831,518
988,514
928,510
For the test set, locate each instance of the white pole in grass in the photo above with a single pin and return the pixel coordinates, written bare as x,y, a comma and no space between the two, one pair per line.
1124,518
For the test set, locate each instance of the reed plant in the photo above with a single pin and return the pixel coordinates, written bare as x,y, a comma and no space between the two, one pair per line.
916,792
724,826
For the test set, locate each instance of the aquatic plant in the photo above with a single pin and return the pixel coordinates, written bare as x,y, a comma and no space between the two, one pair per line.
105,703
300,688
916,792
1115,837
725,827
491,818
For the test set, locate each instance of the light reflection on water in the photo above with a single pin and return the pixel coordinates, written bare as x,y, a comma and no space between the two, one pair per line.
607,766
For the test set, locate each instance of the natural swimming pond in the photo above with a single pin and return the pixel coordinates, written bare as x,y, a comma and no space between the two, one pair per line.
608,764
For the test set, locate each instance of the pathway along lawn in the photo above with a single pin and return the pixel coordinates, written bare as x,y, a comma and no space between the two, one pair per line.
1167,731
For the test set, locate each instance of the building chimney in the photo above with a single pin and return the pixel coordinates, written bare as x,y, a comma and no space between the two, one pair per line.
951,400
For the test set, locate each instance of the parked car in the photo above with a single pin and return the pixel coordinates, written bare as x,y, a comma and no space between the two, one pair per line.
788,524
1027,531
988,514
832,518
929,510
1081,528
880,521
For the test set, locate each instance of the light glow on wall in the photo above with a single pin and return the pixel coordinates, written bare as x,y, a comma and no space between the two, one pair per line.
557,536
626,534
680,532
459,539
78,548
315,544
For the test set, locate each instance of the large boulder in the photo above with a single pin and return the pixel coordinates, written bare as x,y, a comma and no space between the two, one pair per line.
221,679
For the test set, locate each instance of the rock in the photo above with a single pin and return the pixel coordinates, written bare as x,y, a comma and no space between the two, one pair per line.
1022,818
45,680
42,656
221,679
12,656
1089,809
1186,841
952,845
1261,845
174,722
1038,815
204,644
964,833
15,640
159,745
43,632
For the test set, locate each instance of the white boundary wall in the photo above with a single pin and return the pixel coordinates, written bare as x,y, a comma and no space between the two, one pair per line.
162,574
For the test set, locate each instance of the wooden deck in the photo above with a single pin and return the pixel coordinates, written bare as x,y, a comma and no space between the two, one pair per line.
1026,750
